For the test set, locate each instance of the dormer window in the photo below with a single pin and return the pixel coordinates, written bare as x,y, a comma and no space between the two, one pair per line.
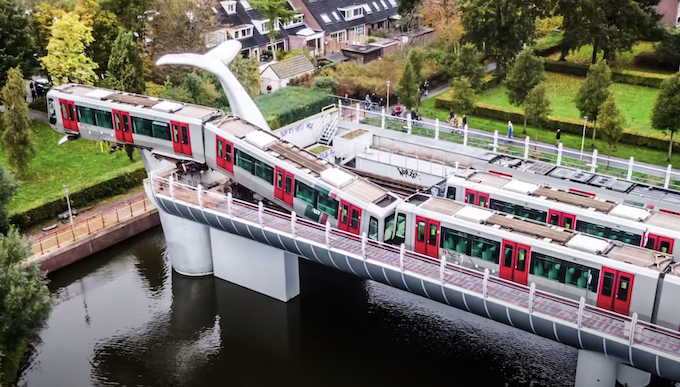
298,20
241,32
264,26
353,12
229,6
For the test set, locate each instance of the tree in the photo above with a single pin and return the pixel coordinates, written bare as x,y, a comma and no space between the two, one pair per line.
467,64
464,97
407,6
537,105
248,74
525,73
666,112
275,12
325,84
16,44
66,61
16,136
668,49
129,13
125,67
500,26
415,57
612,122
407,90
42,18
8,187
594,91
443,16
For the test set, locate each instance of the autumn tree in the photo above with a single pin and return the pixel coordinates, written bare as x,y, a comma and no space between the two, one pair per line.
593,92
276,12
464,98
125,68
467,64
247,73
130,14
525,73
16,43
66,60
537,105
16,131
8,187
666,112
443,16
612,122
42,18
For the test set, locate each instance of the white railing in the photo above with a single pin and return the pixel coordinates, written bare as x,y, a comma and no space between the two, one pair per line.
518,147
526,299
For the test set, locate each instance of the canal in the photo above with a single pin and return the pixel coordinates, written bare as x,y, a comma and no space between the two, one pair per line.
123,318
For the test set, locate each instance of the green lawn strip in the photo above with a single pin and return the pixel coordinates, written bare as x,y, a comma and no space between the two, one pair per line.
636,102
623,151
78,163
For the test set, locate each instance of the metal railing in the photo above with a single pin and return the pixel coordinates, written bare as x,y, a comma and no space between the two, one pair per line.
517,147
526,299
82,228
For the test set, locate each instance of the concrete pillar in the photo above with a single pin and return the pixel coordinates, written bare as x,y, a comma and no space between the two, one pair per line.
595,370
628,376
188,245
258,267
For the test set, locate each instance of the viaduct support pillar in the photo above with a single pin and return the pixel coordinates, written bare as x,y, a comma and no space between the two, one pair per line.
594,369
255,266
628,376
188,245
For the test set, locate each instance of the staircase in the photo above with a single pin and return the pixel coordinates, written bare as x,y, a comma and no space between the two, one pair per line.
329,127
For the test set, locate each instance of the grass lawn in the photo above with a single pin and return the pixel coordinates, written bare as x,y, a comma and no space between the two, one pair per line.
625,151
635,101
76,163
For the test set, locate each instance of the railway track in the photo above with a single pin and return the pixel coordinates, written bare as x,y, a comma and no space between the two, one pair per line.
398,187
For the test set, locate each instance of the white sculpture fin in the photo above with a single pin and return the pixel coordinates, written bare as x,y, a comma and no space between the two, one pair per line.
217,62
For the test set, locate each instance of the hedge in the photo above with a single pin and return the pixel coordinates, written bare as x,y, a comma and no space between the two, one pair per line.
648,140
619,76
39,104
291,104
115,186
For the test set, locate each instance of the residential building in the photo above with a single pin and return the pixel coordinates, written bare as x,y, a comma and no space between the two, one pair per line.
670,12
276,75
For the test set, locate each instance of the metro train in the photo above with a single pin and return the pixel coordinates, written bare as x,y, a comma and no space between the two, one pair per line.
577,211
617,277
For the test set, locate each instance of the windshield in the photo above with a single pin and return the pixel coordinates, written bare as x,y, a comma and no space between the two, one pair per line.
395,232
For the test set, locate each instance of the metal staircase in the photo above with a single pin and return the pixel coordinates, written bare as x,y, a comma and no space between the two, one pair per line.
329,127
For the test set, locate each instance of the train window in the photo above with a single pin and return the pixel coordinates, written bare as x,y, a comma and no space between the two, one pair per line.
227,157
279,179
304,193
160,130
607,284
554,219
219,148
64,115
185,134
622,293
373,228
606,232
521,259
354,219
471,198
244,161
507,255
343,213
651,242
103,119
664,246
567,222
455,241
85,115
421,231
52,110
564,272
175,133
288,188
514,209
432,239
326,204
395,233
451,193
264,171
141,126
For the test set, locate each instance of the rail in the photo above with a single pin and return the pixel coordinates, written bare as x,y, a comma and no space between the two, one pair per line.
82,228
517,147
567,311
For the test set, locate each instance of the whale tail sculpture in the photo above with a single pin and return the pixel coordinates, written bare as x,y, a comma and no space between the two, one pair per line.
217,61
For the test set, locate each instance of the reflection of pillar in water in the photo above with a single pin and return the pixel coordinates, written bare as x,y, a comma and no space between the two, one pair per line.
193,305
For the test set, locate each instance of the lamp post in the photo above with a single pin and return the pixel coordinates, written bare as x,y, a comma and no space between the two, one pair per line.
388,93
583,139
68,202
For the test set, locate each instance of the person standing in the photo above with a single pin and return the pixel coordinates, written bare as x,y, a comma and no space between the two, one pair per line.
33,92
382,103
426,88
558,134
465,121
509,129
374,101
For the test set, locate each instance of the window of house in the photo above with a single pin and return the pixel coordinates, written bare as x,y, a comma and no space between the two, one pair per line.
359,30
340,36
297,20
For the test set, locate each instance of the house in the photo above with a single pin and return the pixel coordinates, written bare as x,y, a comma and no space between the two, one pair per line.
362,53
345,22
670,12
243,23
278,74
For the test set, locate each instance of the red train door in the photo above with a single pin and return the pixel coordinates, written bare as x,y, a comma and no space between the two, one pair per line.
68,115
659,243
185,139
561,219
121,125
427,237
477,198
283,186
224,154
615,290
515,262
349,218
174,134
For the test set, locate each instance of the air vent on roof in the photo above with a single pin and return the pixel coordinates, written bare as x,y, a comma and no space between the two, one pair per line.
98,94
473,214
629,212
581,177
603,181
167,106
260,139
562,173
337,177
588,244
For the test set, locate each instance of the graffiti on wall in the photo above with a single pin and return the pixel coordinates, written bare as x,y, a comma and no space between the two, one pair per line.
308,125
405,172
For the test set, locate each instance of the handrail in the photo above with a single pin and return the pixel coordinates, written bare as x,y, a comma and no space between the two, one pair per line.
569,311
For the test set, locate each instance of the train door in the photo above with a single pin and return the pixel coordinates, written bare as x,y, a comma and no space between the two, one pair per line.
181,143
283,186
561,219
350,218
515,262
68,115
615,290
224,154
427,237
121,125
477,198
659,243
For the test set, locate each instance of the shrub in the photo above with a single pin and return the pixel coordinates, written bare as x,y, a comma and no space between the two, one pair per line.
378,33
618,76
39,104
291,104
303,80
325,84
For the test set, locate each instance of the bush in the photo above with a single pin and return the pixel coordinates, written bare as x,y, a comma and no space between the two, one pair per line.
291,104
325,84
116,186
303,80
39,104
619,76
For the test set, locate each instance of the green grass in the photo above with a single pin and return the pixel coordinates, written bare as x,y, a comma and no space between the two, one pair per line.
78,163
551,40
635,101
624,151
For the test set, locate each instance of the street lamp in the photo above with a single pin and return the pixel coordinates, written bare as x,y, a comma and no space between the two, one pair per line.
388,93
583,139
68,202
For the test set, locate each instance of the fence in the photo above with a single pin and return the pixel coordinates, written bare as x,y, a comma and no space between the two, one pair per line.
82,228
523,148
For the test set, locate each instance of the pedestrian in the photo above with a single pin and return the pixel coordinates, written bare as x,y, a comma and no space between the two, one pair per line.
374,101
426,88
346,100
367,101
382,103
558,134
509,129
451,115
465,121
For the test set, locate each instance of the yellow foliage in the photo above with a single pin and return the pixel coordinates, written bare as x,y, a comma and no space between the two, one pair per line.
66,60
544,26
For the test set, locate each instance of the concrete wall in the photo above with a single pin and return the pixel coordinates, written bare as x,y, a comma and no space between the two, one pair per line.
301,133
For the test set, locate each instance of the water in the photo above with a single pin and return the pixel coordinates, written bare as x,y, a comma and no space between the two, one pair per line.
123,318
